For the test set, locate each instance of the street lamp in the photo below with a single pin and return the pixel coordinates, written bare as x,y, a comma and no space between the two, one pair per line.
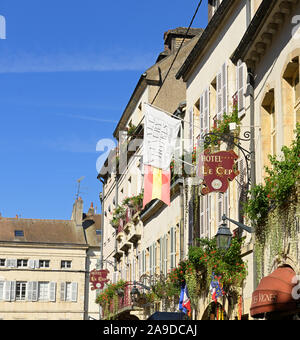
224,235
135,293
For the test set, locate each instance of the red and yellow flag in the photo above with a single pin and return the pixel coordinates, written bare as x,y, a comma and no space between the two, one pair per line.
157,185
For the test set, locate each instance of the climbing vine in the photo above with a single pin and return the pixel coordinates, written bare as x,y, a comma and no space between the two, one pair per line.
273,206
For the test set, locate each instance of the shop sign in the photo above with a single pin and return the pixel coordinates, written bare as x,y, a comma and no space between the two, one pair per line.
217,170
98,278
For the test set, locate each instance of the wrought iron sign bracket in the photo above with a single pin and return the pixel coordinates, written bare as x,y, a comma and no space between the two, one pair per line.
233,141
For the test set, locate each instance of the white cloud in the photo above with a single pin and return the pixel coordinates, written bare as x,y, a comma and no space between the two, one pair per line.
24,62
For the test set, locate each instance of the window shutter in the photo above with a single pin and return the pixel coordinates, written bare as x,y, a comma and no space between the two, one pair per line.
224,89
191,121
63,291
202,218
29,291
206,111
35,287
31,264
13,291
220,206
1,290
240,85
219,96
52,293
7,290
208,216
74,291
37,263
201,115
160,255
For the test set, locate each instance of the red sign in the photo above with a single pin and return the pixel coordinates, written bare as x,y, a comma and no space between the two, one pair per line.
217,170
98,278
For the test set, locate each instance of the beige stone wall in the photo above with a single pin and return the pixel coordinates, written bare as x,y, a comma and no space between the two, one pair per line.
45,309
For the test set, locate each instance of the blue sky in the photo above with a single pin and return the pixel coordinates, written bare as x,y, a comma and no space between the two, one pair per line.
67,71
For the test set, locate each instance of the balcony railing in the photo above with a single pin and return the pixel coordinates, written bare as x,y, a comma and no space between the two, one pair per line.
120,304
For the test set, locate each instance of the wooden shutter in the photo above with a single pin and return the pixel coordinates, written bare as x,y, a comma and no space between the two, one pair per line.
220,208
2,290
35,289
63,291
74,290
31,264
161,255
208,215
224,89
219,96
202,218
240,85
191,130
52,292
206,125
13,290
202,114
7,290
29,291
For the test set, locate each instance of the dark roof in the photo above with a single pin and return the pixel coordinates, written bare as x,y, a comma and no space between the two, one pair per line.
256,24
204,39
181,31
41,231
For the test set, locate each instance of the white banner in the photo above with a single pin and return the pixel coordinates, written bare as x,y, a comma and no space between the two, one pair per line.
160,135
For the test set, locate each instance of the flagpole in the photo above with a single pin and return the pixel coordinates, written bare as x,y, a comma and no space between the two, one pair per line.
171,115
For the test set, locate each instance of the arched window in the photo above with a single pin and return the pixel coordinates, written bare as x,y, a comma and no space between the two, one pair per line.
291,99
268,127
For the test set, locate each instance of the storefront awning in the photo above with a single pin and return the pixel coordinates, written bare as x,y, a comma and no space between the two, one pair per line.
274,293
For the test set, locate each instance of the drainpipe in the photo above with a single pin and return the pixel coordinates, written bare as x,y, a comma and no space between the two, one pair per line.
102,195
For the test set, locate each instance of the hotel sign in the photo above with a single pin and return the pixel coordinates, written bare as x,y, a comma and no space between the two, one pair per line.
217,170
98,278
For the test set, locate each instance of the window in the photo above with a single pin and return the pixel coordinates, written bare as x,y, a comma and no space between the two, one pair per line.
44,263
2,262
43,294
65,264
69,291
19,233
22,263
21,291
98,232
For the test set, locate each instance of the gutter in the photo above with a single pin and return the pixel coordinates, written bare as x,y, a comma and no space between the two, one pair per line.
256,24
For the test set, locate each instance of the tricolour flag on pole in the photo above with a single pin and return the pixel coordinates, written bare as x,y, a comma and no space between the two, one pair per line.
185,301
157,184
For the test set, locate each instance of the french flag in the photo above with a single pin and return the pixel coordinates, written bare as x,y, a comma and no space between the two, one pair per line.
185,301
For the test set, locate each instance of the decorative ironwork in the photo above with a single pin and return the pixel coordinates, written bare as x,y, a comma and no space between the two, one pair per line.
232,141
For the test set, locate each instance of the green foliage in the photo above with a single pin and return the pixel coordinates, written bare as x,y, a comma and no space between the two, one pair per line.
229,265
222,127
106,297
280,184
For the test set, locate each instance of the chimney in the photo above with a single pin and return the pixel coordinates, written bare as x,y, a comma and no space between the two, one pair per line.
91,211
77,212
174,37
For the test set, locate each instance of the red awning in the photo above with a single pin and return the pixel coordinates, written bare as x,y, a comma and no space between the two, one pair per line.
274,293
